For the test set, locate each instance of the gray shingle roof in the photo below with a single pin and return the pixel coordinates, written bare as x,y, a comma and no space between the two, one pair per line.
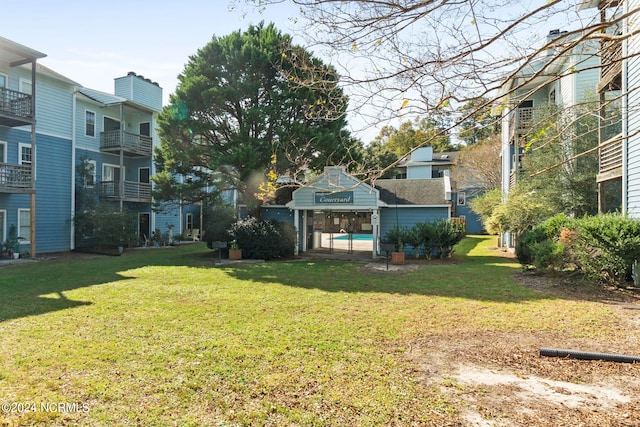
412,191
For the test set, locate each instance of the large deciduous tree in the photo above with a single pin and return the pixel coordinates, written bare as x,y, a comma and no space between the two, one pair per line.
240,110
410,58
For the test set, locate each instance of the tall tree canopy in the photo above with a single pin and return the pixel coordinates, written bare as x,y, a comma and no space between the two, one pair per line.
239,110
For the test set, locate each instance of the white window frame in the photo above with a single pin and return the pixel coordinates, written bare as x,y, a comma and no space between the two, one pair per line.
25,239
95,123
110,165
94,175
6,80
3,224
20,147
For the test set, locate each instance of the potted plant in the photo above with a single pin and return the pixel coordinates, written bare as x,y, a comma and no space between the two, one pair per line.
12,244
234,251
396,235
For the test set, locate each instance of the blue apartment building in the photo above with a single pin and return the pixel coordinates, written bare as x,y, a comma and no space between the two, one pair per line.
50,127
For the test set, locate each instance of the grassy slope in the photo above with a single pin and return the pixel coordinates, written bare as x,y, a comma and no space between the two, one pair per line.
159,337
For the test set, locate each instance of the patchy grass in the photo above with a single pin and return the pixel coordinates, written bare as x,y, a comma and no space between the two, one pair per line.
159,337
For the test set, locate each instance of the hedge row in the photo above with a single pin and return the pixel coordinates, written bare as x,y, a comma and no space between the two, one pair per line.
604,247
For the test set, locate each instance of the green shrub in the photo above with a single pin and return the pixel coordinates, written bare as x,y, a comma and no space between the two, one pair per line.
439,237
263,239
606,246
548,254
531,243
396,235
105,228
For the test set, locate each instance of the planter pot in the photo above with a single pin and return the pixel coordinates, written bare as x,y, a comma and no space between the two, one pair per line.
16,255
235,253
397,258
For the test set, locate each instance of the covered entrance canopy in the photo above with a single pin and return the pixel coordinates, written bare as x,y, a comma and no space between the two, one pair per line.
337,203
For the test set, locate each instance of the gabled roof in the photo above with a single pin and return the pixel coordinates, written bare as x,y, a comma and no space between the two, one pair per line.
403,192
54,74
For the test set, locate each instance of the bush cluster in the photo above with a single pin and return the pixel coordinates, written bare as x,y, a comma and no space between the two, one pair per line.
604,247
263,239
433,239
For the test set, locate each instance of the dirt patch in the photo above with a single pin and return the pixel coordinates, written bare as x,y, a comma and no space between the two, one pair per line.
500,380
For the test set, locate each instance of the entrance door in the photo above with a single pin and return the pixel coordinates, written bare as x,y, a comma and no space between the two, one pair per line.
144,226
111,180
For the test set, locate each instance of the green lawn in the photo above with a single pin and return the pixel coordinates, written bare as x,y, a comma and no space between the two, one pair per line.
158,337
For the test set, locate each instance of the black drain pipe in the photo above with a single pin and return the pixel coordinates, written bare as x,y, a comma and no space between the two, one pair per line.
584,355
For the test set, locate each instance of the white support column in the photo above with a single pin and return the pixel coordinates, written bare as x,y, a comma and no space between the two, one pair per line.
296,224
375,223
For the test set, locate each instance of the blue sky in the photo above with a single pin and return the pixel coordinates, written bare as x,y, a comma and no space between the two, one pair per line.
93,43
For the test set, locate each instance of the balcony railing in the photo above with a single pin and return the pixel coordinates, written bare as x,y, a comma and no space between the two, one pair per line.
131,191
132,144
15,108
610,159
521,122
611,65
15,178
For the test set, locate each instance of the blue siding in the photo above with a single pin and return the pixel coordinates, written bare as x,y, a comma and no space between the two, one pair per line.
53,194
170,215
633,122
280,214
139,90
472,219
53,189
408,217
54,107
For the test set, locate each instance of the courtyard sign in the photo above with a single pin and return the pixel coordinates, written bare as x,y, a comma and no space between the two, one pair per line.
341,198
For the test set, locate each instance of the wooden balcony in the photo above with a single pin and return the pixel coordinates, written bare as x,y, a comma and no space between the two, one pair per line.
521,122
15,178
611,66
132,144
610,159
15,108
129,191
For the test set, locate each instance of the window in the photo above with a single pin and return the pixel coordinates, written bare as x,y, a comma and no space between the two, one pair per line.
25,155
145,129
110,172
3,81
144,175
111,180
89,123
24,225
3,152
189,222
89,173
110,124
462,198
